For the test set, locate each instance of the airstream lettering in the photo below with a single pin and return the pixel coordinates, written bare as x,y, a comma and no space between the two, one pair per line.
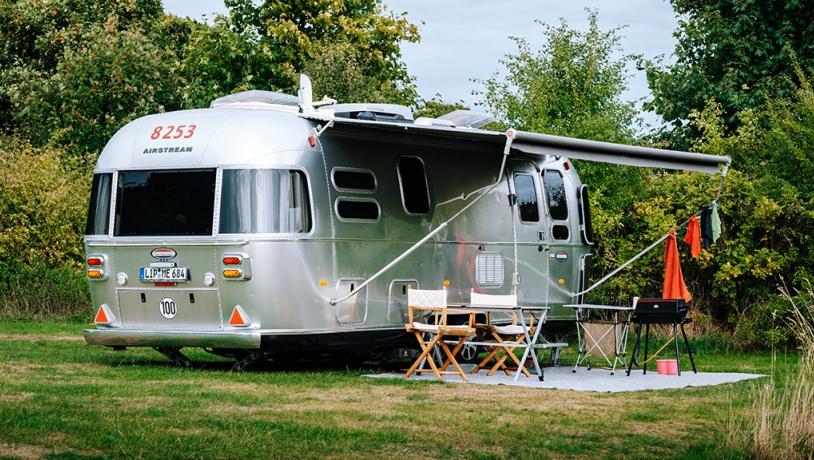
277,224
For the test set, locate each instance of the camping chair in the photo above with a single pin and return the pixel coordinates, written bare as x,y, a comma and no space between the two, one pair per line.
434,303
507,337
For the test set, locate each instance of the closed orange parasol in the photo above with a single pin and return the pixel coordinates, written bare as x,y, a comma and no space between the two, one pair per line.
674,287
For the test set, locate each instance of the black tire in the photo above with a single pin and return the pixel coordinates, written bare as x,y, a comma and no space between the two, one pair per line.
469,354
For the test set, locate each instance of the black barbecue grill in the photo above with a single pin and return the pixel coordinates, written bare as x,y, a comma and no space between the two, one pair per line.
660,311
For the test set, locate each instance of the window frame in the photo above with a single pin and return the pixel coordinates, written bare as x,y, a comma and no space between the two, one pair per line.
585,222
309,190
565,195
355,220
110,203
115,199
426,187
357,170
536,199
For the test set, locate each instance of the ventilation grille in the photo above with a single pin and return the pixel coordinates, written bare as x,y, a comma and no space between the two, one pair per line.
489,270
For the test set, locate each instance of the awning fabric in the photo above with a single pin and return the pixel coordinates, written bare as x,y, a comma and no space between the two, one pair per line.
527,144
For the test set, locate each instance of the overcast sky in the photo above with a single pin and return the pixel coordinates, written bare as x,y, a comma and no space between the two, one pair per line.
463,39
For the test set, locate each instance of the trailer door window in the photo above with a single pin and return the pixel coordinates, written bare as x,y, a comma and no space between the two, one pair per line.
264,201
555,194
526,197
415,194
165,202
99,207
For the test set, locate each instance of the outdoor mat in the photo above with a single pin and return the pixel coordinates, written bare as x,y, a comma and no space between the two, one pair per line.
596,379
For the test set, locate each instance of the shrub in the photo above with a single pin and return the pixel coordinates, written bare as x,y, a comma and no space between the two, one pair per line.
46,293
42,214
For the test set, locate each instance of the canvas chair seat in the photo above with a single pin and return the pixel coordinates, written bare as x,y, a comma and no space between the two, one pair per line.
424,327
511,329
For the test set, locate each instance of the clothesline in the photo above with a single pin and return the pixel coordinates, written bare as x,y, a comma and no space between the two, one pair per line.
656,243
637,256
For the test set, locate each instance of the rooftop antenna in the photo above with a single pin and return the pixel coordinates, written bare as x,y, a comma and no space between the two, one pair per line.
305,94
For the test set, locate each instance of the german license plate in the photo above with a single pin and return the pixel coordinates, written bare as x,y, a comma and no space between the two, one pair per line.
162,275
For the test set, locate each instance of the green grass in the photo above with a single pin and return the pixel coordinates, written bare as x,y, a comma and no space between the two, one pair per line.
62,398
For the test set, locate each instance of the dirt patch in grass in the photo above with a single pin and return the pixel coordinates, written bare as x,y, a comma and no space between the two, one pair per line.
23,451
15,398
37,337
140,402
31,451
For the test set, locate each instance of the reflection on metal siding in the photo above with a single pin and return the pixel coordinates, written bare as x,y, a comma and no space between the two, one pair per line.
489,270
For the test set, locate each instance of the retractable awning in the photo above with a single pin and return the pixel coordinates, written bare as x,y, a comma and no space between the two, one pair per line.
528,144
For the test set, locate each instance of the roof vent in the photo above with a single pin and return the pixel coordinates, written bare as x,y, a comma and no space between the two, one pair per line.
457,119
258,99
467,118
392,113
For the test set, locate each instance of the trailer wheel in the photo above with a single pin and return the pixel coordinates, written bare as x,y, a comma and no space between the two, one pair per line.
469,354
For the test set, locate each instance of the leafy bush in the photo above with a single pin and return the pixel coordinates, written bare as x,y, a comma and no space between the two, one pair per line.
42,214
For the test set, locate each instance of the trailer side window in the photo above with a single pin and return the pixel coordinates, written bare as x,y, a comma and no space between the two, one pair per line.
526,197
415,193
264,201
99,208
555,194
354,180
355,209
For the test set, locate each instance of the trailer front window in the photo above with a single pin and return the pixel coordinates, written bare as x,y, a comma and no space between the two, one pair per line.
165,203
264,201
99,207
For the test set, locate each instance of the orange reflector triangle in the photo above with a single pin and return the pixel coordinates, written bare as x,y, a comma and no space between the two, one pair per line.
101,316
237,318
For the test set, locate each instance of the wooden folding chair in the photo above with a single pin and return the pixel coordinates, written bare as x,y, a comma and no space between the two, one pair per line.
430,335
507,338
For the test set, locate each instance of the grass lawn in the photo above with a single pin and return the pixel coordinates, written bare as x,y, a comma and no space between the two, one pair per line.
61,398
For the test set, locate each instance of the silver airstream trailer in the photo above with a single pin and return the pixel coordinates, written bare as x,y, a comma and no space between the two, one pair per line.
268,222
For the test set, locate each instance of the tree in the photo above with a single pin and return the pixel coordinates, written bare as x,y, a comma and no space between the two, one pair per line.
735,52
340,71
96,87
297,32
571,86
74,71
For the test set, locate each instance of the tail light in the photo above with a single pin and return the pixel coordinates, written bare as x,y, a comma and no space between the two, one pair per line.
96,267
232,260
236,267
233,273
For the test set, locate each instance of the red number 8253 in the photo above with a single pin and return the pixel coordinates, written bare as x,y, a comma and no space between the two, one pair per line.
173,132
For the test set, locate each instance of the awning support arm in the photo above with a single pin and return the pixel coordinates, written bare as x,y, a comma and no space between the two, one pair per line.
510,134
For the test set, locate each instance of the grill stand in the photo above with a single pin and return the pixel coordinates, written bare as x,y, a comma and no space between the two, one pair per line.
676,326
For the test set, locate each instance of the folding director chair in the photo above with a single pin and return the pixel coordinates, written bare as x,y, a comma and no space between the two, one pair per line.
507,338
433,304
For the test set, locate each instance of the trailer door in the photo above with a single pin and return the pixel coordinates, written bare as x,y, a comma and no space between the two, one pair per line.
526,193
562,258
